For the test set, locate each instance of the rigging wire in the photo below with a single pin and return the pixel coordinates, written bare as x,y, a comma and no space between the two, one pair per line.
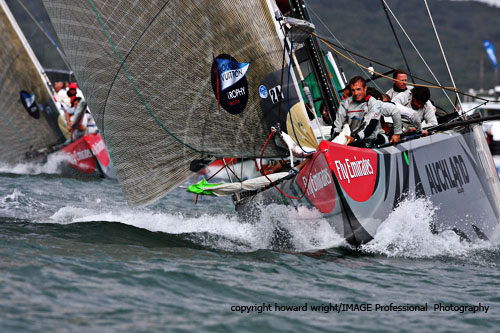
465,112
324,62
311,163
229,168
442,52
418,52
364,73
397,41
227,172
431,84
381,74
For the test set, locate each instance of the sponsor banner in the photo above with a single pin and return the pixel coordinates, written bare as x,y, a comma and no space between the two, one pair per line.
449,173
81,157
230,72
96,144
355,169
321,188
229,83
29,103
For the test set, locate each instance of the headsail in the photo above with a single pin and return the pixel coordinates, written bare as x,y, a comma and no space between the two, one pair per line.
170,82
21,129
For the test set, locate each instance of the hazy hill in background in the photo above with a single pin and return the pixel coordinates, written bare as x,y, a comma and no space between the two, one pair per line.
362,26
462,26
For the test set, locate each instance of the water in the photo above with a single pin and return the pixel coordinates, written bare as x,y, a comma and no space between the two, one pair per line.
75,258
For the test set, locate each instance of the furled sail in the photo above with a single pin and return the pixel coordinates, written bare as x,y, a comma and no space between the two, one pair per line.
22,130
171,82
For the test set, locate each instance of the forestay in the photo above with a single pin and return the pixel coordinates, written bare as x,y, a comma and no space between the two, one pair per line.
147,71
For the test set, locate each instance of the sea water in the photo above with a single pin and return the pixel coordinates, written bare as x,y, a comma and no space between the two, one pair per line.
74,257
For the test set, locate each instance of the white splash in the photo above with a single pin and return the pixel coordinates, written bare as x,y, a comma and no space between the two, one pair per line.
224,232
51,166
407,233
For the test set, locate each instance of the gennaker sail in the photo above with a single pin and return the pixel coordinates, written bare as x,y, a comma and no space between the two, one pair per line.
172,83
23,129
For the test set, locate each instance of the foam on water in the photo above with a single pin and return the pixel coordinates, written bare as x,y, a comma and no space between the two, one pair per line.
51,166
17,203
219,231
407,233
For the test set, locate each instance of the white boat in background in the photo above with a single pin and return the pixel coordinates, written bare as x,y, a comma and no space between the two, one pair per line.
486,103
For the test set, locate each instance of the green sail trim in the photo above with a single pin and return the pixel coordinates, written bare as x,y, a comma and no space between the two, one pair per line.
200,188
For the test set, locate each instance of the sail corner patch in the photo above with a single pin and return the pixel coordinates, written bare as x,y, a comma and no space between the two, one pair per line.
229,83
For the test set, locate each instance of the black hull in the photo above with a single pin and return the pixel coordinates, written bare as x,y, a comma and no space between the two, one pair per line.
356,189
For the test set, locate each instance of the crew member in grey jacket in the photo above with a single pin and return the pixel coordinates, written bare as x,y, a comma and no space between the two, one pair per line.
362,114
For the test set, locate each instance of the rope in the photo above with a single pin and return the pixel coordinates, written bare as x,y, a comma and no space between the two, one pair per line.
326,66
274,185
444,56
367,75
282,70
228,168
380,74
397,41
432,85
139,95
418,52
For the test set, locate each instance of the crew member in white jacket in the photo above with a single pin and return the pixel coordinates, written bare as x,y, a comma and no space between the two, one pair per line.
398,86
419,100
362,114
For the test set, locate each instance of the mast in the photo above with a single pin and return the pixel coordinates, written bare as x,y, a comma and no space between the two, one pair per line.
315,55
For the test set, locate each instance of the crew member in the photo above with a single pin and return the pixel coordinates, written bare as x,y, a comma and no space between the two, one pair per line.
398,86
362,114
419,100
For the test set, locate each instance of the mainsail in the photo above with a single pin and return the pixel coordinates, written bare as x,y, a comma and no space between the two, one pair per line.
21,131
171,83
